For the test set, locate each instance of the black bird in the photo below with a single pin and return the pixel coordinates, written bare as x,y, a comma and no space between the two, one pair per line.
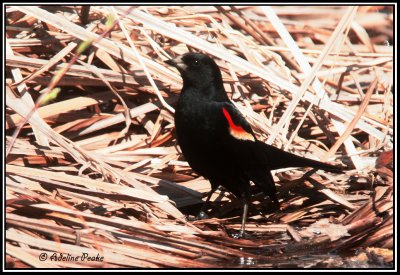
216,139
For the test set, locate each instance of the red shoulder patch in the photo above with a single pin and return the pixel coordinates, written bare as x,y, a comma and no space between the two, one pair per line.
236,131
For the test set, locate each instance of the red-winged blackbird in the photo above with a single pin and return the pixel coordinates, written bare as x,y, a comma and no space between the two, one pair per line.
216,139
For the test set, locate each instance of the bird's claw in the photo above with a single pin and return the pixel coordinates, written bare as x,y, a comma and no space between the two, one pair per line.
202,215
240,235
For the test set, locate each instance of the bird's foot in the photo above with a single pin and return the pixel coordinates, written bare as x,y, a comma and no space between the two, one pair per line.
202,215
241,235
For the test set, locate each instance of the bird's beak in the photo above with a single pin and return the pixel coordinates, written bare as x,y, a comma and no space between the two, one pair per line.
177,62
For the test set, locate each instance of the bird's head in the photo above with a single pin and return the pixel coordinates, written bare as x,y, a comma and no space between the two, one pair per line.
197,70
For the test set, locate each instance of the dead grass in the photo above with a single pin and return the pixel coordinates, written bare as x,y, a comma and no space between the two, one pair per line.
92,163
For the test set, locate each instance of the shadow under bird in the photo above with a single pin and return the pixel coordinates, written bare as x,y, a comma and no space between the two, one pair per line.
218,142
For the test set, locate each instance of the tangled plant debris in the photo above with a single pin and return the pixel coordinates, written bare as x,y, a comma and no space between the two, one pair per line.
95,169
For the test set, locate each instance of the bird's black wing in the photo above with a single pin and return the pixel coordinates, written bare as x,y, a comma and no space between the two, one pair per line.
242,146
256,158
269,156
235,124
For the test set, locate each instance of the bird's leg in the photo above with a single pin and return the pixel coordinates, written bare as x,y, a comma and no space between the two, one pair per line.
244,218
202,215
272,192
245,198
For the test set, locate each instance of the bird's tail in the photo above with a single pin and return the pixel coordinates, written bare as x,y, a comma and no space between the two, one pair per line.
281,159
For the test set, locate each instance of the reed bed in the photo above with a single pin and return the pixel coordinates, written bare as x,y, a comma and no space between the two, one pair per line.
92,164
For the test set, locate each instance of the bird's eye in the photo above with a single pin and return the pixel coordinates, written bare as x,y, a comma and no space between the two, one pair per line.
196,62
